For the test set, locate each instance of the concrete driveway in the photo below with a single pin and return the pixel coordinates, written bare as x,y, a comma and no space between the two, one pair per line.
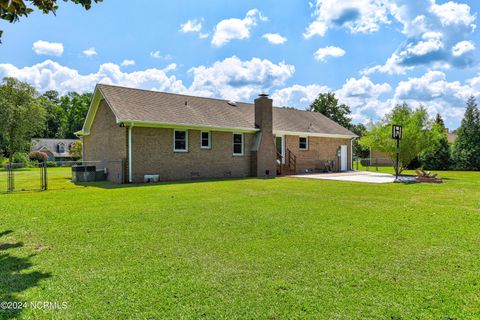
356,176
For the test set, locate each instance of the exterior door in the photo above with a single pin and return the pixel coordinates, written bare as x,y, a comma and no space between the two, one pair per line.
343,158
279,142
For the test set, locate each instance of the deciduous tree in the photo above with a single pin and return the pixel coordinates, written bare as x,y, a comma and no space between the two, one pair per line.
417,134
56,123
327,104
13,10
21,116
437,155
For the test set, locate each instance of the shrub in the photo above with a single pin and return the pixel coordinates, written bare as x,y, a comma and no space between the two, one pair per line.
51,164
38,156
21,158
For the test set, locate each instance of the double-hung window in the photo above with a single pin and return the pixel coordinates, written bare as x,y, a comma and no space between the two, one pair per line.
303,143
180,140
205,139
238,144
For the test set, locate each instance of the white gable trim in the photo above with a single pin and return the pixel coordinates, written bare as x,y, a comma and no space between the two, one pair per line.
92,112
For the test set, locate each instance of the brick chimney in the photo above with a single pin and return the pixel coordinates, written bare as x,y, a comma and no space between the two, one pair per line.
264,152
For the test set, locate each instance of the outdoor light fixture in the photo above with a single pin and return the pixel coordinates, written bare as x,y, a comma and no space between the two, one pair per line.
397,135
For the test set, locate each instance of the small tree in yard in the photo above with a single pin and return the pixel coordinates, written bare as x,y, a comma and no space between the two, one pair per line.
466,149
437,156
76,149
21,117
417,134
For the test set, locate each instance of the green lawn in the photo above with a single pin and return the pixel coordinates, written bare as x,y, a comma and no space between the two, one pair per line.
244,249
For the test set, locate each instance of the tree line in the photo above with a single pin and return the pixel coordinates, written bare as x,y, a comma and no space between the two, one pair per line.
26,114
425,140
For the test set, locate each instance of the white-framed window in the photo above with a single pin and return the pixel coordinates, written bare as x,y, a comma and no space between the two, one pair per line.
303,143
180,140
205,139
61,147
238,144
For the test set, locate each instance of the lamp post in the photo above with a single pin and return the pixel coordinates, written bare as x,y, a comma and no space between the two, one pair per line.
397,135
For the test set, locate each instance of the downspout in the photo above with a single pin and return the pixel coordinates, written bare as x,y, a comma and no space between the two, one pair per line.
130,178
351,154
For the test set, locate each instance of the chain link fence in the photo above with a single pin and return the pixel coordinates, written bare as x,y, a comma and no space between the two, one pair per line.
371,164
17,177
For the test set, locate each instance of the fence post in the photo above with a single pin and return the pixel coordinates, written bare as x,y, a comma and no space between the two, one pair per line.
40,168
45,177
376,164
10,178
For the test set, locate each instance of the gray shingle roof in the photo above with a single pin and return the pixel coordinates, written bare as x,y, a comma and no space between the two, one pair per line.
168,108
39,144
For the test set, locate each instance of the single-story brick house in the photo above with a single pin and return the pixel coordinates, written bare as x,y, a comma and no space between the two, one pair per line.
56,149
179,137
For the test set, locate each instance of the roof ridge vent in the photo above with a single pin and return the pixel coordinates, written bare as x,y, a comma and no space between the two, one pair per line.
232,103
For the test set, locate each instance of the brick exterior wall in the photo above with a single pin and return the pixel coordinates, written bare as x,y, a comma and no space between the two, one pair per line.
152,153
107,143
319,150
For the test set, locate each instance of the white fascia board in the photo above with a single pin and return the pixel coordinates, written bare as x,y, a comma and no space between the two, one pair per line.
313,134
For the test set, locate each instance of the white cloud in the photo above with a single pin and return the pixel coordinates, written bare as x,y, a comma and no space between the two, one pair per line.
452,13
463,47
50,75
437,94
363,88
235,79
274,38
297,95
358,16
371,101
242,80
90,52
158,55
363,97
432,85
194,26
230,29
323,53
127,63
230,78
48,48
435,34
191,26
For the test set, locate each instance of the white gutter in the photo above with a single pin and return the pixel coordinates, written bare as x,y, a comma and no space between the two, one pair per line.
153,124
130,179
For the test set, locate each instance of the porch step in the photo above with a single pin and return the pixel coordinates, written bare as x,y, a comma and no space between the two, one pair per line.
285,170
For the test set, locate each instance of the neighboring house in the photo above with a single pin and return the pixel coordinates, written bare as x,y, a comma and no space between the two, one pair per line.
56,149
183,137
451,136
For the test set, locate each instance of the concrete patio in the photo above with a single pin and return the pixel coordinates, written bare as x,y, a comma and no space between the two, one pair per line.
355,176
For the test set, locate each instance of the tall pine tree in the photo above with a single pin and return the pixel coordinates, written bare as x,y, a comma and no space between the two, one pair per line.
466,150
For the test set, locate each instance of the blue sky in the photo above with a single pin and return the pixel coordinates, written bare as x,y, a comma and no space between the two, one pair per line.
371,53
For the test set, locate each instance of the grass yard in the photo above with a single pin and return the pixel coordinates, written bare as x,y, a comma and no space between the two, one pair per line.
244,249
